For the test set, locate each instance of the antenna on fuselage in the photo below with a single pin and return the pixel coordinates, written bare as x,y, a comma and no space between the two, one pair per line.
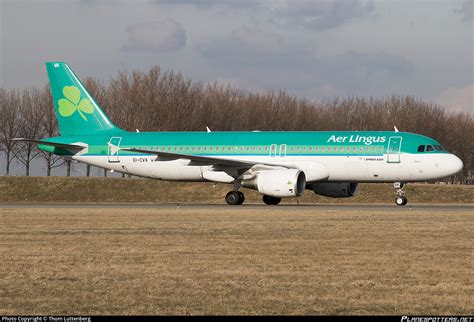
395,128
208,130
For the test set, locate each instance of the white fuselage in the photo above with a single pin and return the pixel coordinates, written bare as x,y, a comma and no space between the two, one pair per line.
344,168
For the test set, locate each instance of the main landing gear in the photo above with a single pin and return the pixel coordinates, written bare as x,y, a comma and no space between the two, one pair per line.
234,198
400,199
269,200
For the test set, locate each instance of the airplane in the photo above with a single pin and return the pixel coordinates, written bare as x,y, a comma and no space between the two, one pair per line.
276,164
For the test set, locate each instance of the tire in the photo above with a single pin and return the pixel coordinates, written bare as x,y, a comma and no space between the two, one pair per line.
233,198
401,200
269,200
241,197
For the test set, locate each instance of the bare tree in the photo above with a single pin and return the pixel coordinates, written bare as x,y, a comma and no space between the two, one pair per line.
31,114
10,125
49,128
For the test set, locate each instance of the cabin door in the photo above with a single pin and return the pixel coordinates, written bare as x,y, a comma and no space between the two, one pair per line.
114,148
394,147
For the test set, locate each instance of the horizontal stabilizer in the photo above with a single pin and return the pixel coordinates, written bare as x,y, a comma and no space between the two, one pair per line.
68,147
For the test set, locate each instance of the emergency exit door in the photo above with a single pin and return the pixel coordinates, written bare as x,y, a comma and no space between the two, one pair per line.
394,148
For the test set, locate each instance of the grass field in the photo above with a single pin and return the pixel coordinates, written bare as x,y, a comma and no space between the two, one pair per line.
80,189
269,260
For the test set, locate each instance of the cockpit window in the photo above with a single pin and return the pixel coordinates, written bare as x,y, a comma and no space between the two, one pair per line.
429,148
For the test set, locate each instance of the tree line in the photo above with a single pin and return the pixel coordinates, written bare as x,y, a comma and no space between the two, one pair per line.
159,100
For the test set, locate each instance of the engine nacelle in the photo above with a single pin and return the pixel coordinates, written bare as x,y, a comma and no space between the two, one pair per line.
278,183
335,190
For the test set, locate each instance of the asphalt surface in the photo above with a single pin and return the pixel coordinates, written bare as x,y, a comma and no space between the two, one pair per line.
342,207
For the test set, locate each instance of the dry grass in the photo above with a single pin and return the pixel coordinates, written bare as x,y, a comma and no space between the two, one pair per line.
63,189
235,261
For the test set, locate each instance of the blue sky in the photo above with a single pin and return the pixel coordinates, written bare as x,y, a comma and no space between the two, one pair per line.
313,49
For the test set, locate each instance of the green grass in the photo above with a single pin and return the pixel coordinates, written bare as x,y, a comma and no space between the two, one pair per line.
74,189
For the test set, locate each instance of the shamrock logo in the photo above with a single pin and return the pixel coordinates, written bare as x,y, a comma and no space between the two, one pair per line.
73,103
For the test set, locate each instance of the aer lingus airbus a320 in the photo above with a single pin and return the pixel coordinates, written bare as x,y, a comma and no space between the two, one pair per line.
277,164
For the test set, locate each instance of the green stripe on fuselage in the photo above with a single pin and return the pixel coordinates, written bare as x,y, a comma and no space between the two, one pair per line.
253,143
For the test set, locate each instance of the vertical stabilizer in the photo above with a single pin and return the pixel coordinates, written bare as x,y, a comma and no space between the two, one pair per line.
76,109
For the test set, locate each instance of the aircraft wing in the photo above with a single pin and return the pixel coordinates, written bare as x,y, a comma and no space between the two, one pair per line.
205,160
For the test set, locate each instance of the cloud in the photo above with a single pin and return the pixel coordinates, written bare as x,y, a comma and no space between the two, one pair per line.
322,15
249,48
458,99
467,10
158,36
211,3
264,60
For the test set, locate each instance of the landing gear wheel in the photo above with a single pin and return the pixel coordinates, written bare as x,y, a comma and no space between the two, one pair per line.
241,197
401,200
234,198
269,200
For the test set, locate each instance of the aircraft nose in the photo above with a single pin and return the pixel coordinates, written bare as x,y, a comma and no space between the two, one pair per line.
454,164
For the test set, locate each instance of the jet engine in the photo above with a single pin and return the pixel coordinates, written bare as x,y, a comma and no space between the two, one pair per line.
335,190
278,183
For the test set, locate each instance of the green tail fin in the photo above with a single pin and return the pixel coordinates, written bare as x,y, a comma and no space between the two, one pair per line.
76,110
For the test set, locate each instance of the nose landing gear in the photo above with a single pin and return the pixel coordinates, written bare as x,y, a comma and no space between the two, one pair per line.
400,199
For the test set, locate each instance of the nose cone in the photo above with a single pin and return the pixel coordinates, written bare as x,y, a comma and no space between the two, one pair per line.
453,164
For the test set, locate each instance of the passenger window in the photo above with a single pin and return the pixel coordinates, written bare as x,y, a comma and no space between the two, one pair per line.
429,148
421,148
